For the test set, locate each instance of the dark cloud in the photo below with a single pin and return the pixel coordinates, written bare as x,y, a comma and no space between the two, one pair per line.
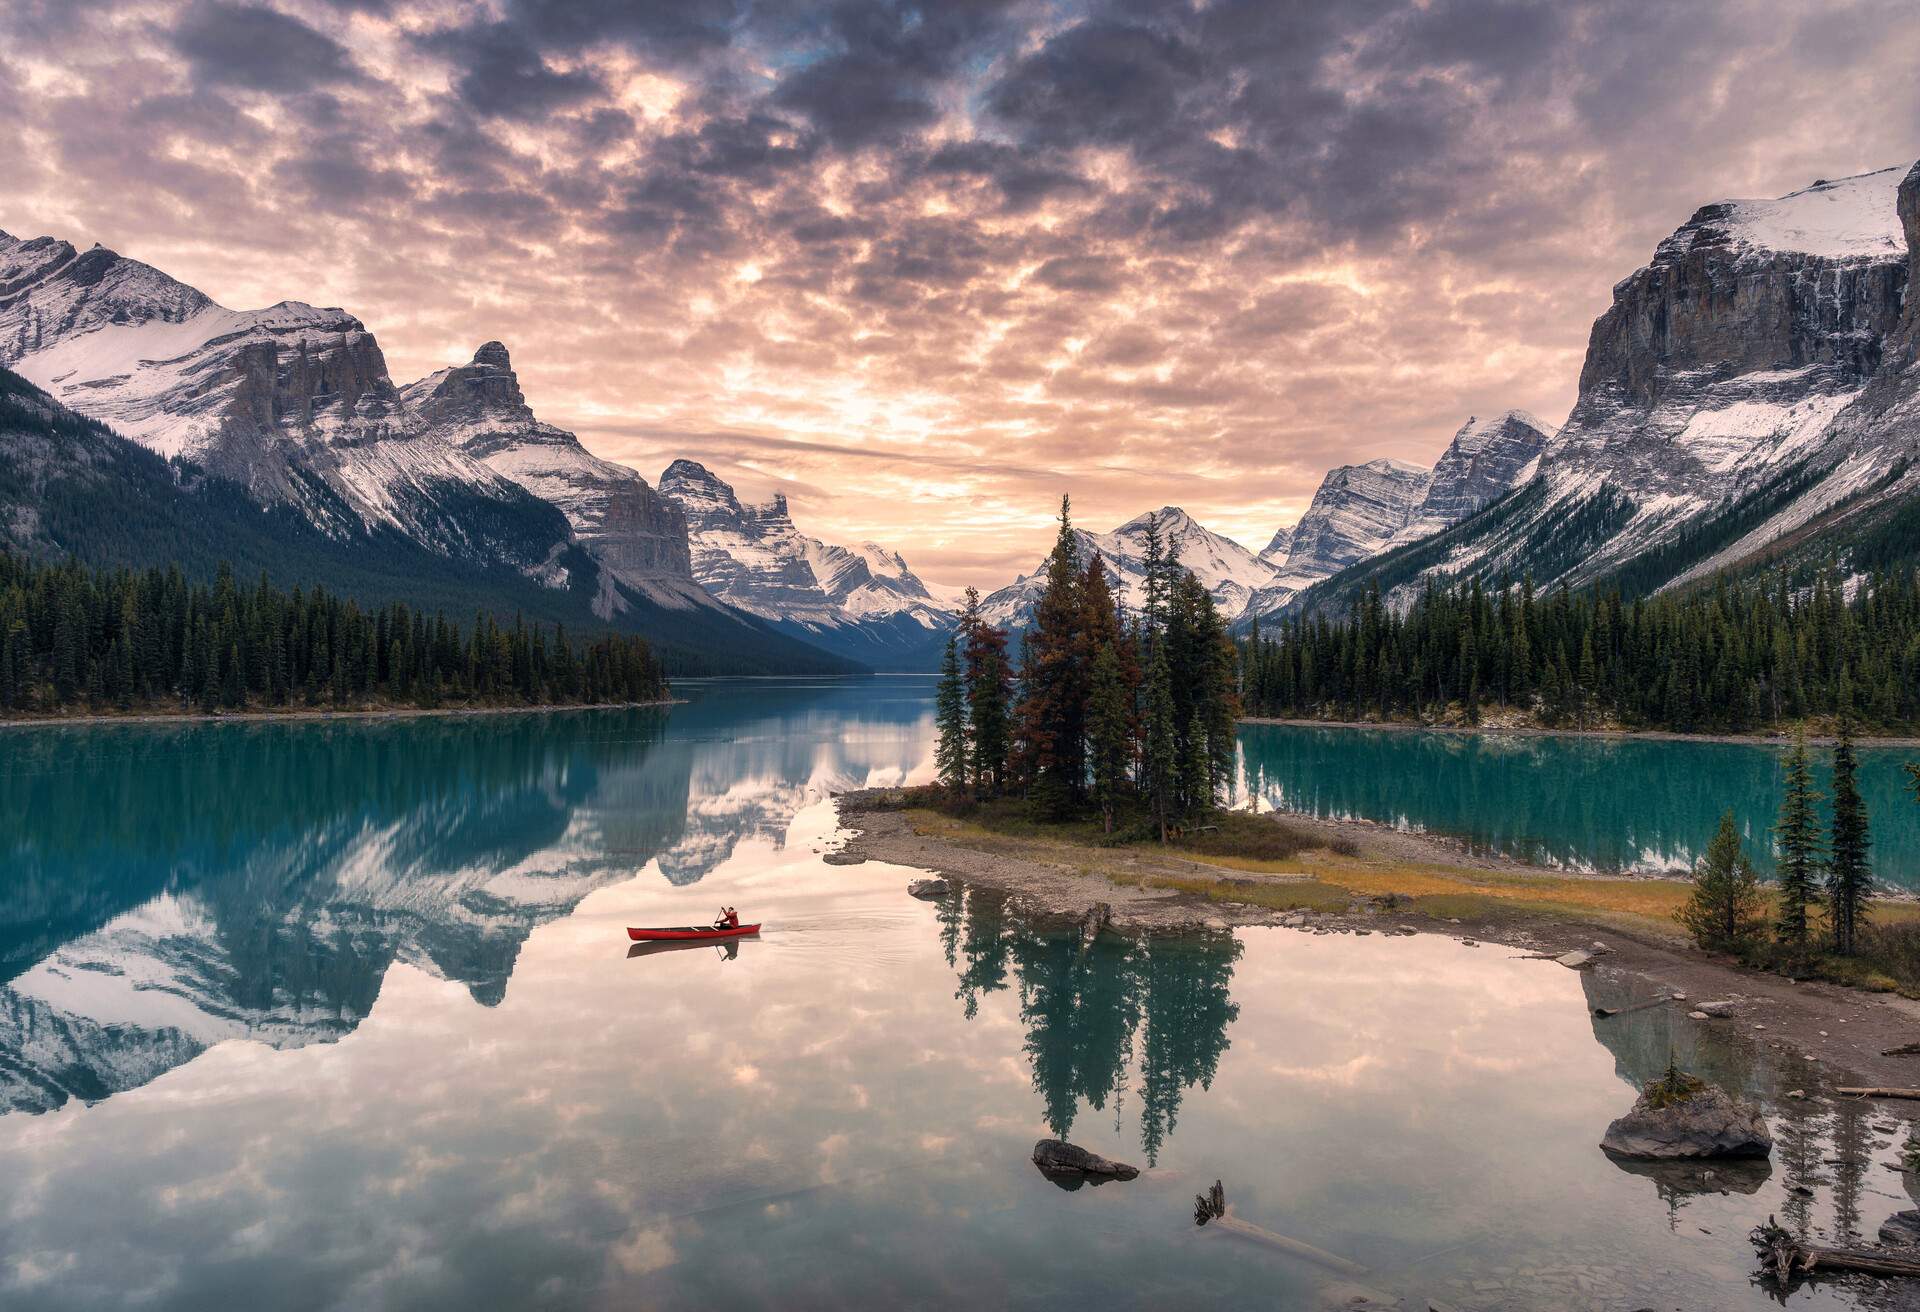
1099,82
257,47
502,72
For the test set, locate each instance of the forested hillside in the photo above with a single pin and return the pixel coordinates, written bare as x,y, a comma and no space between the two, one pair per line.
1726,657
78,639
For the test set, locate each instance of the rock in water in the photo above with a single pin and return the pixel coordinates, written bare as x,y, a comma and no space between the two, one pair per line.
1069,1166
1901,1230
1703,1122
929,888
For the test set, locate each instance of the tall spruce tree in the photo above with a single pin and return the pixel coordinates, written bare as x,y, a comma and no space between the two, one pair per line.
952,751
1725,912
1050,721
1796,838
1849,880
989,680
1109,733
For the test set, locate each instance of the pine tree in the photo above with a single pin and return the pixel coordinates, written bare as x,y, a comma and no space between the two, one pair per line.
1196,771
989,682
1157,779
1725,912
950,720
1849,881
1797,840
1050,721
1109,732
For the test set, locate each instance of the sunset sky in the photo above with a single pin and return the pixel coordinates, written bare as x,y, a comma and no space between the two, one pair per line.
924,267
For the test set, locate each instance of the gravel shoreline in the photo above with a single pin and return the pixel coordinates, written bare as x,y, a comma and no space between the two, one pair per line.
1844,1030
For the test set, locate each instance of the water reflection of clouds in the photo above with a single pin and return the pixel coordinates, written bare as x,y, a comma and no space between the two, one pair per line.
596,1126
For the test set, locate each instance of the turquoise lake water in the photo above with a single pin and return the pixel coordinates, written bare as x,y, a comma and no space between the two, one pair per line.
1606,804
343,1015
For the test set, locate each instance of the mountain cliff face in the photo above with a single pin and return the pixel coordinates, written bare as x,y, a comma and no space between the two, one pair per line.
1230,573
1355,513
1741,395
639,536
861,602
1487,459
1275,552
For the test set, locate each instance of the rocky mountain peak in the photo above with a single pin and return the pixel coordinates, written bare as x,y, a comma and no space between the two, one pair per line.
467,398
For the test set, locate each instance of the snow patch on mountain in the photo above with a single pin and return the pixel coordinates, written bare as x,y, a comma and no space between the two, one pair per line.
1839,219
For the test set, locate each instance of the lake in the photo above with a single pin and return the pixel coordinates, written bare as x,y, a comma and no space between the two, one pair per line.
342,1015
1584,803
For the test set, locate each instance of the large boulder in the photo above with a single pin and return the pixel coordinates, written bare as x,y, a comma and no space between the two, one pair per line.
1682,1117
929,888
1070,1166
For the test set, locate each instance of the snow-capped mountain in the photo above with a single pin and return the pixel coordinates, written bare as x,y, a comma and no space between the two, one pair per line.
637,534
1748,389
292,402
1228,571
449,492
861,602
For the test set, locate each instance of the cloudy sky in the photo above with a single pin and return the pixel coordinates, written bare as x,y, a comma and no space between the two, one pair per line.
924,267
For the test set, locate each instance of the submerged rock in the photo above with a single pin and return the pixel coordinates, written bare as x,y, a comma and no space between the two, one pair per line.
1682,1117
929,888
843,859
1070,1166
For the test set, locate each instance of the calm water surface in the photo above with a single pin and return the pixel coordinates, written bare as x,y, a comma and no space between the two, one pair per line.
1588,803
343,1016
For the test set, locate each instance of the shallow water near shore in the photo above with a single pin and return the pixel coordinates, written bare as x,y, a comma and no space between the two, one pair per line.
1581,803
318,1016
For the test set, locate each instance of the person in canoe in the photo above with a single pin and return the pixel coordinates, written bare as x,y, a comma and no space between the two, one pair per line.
727,919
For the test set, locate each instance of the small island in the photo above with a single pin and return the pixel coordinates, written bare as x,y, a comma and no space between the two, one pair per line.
1087,784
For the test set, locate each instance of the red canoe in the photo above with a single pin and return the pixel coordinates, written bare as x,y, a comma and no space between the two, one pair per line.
692,932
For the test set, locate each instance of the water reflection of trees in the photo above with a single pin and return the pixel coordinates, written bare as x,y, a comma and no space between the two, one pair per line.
1570,801
1101,1013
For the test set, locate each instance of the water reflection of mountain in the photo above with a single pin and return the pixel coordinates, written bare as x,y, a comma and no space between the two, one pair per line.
167,888
258,880
1582,802
1100,1014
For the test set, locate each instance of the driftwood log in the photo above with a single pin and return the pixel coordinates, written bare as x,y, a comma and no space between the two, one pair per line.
1604,1012
1875,1092
1785,1258
1904,1050
1212,1206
